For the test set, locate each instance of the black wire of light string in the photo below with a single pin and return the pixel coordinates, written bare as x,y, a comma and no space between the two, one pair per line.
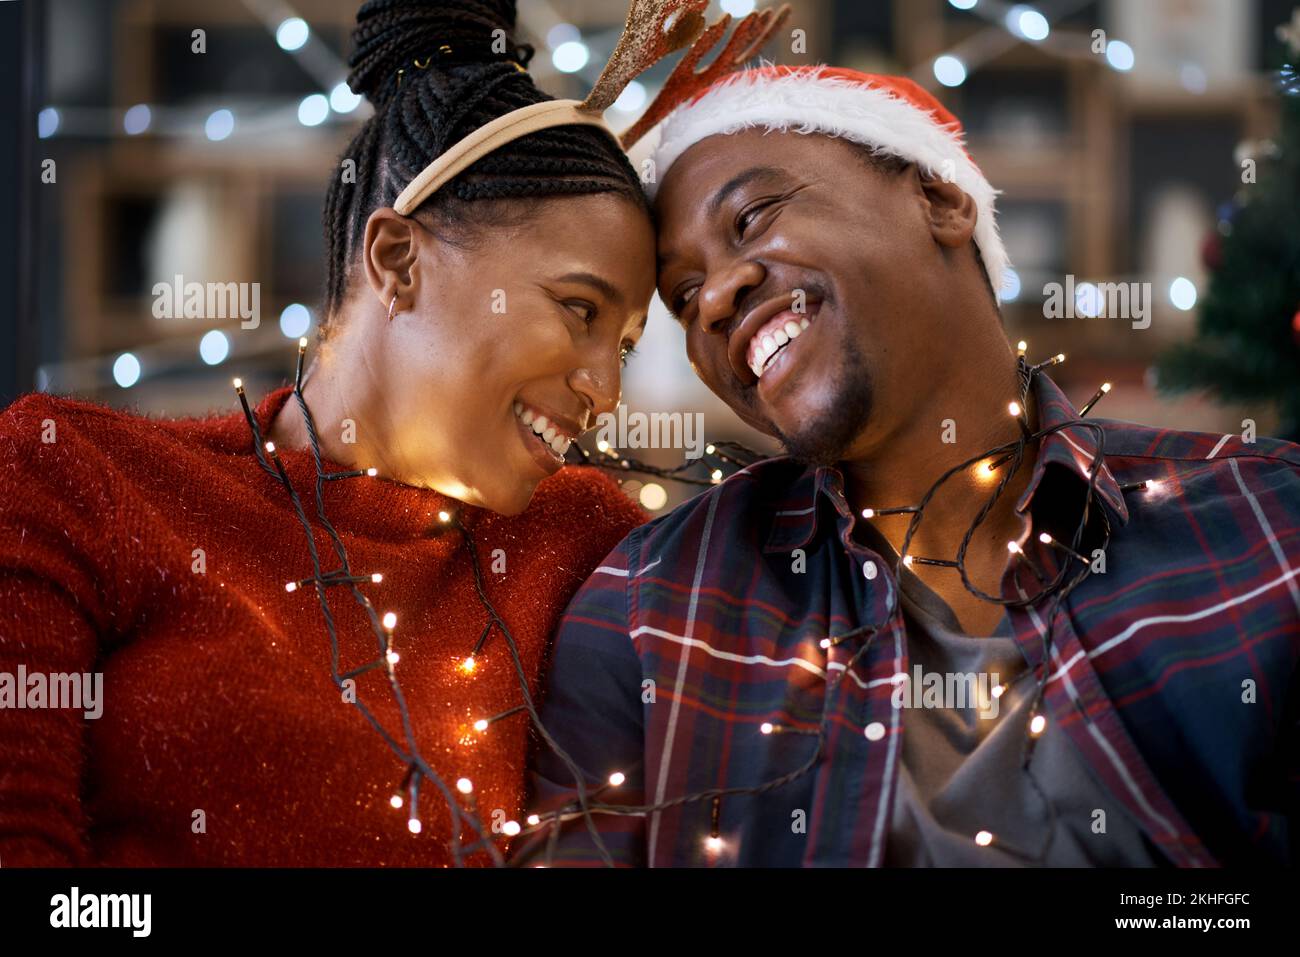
345,577
585,807
412,757
1057,590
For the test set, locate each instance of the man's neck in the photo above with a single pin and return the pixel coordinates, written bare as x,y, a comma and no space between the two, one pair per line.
963,421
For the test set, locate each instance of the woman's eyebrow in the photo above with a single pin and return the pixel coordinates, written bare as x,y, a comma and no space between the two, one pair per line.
599,283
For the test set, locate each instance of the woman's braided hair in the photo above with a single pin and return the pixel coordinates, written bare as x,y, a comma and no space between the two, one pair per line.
435,71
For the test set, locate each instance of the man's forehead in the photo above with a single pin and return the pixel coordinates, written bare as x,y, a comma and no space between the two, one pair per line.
702,170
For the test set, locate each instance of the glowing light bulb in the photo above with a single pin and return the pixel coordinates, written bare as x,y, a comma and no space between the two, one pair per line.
1153,485
868,513
465,786
766,727
239,383
710,449
998,690
395,800
291,586
617,778
984,838
372,472
1045,538
444,517
468,665
907,560
825,642
390,621
716,475
1037,725
533,820
1022,347
602,446
414,825
1014,408
510,828
270,446
393,657
481,724
1105,387
377,578
714,843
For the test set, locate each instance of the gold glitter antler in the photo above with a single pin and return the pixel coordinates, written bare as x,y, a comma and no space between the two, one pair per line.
685,81
654,29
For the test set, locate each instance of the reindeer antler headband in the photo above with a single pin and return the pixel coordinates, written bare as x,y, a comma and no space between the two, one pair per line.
654,29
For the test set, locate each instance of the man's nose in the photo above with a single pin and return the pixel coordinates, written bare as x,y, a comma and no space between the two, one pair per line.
724,290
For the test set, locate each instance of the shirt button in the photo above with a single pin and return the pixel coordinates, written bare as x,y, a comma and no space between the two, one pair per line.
875,731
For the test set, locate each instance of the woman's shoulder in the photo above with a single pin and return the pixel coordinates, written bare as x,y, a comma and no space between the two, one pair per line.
57,439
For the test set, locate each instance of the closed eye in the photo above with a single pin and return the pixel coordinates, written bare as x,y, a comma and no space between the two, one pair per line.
683,299
750,213
584,310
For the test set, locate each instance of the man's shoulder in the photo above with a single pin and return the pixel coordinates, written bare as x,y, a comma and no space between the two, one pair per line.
1132,441
737,504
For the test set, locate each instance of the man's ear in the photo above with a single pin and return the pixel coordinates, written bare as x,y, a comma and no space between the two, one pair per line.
950,210
391,247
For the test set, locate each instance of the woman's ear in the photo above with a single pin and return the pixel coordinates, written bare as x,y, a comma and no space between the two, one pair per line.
391,247
950,210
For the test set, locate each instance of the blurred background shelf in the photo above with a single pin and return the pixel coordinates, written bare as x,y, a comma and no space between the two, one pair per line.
1108,173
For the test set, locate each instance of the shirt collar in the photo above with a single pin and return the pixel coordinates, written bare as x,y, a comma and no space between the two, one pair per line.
1067,451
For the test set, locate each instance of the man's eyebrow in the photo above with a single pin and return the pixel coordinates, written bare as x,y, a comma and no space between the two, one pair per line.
599,283
739,181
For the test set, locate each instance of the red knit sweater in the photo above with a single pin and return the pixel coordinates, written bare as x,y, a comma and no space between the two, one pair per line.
217,696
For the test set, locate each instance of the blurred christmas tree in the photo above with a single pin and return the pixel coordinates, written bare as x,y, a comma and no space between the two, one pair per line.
1247,343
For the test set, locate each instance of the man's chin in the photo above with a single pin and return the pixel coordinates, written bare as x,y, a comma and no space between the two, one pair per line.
824,436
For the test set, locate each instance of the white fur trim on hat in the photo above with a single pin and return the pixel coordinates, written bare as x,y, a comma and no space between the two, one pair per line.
807,102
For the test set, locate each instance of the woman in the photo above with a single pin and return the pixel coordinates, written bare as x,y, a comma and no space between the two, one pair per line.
465,346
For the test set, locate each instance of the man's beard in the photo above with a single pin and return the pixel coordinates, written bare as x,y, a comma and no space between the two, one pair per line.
824,440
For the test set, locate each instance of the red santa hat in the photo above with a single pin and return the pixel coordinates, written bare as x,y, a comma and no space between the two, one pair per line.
891,114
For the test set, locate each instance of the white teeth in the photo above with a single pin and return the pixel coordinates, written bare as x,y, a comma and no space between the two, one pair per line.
560,444
803,323
519,407
550,434
526,417
792,329
539,424
780,337
769,345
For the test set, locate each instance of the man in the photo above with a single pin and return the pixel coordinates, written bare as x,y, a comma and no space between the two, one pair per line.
1096,670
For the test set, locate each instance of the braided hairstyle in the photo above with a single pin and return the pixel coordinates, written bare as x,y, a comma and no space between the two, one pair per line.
435,71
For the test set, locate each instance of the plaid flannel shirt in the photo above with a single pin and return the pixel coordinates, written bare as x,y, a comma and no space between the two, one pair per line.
1173,673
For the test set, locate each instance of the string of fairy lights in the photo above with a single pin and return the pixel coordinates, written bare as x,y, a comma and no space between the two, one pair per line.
543,830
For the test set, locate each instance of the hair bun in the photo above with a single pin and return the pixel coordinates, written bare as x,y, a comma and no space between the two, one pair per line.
391,35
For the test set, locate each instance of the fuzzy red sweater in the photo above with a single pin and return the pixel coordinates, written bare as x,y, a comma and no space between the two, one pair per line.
222,739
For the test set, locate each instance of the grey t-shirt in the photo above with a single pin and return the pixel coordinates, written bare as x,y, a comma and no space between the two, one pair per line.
962,773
